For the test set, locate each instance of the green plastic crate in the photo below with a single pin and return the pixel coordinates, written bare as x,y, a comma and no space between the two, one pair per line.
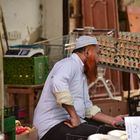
25,70
9,124
9,127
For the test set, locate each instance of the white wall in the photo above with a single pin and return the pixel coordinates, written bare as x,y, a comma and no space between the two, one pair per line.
23,20
52,18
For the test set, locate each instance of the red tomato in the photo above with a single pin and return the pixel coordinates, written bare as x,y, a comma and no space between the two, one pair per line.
20,129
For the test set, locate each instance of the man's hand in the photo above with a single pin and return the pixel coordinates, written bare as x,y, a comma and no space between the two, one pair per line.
118,121
73,122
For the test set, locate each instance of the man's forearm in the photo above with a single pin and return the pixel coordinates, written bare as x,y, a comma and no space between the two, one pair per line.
114,121
74,119
70,109
103,118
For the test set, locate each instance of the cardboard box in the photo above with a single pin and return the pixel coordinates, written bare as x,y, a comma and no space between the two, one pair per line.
32,135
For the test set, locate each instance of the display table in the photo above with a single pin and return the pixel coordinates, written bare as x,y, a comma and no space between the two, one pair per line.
31,90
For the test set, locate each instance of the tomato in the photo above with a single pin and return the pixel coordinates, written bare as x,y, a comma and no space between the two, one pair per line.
20,129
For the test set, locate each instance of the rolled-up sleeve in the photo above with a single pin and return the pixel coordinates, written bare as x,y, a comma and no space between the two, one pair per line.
64,98
91,111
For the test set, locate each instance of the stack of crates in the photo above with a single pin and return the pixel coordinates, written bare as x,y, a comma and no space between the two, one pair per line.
25,70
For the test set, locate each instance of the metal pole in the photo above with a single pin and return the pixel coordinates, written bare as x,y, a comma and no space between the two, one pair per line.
1,88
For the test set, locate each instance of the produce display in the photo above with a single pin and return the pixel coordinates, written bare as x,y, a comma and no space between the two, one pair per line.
21,129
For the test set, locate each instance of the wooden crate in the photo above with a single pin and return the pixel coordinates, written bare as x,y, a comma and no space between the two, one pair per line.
112,107
133,14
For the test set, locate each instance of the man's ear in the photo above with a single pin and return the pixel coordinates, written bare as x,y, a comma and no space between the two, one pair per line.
86,52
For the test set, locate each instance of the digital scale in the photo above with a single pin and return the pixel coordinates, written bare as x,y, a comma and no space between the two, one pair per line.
24,51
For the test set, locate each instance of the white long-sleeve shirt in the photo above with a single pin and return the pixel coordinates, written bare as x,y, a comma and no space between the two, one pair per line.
67,84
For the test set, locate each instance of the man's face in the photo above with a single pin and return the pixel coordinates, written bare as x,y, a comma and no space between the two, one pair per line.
91,62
